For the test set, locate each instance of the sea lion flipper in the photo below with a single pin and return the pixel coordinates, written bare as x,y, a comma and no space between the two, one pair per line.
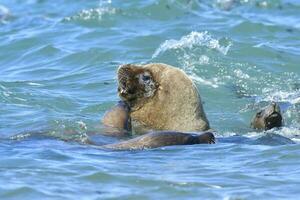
161,139
117,121
206,138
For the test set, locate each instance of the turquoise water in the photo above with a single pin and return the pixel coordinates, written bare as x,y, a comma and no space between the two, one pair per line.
58,76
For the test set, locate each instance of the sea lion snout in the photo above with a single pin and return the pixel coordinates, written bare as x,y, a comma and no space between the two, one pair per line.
135,82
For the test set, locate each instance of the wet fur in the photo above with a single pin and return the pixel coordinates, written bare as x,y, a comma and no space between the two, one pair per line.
171,102
267,118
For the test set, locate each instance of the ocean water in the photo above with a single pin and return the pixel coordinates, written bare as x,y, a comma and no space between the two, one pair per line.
58,62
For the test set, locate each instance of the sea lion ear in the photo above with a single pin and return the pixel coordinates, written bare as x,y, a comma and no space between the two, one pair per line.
126,68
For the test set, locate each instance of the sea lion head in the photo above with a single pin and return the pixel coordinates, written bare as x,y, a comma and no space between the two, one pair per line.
267,118
135,83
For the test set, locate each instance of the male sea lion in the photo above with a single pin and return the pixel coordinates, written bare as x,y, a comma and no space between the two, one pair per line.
159,139
267,118
161,97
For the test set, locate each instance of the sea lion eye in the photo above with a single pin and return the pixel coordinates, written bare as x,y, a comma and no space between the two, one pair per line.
146,77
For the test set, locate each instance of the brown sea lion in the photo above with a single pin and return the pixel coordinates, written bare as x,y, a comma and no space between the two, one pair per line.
161,97
267,118
160,139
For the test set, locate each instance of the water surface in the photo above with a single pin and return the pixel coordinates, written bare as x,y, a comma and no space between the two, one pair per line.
58,75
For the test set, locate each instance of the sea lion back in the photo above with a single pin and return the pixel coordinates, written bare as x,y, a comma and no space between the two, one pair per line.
176,105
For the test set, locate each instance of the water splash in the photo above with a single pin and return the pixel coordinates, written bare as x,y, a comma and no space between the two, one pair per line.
292,97
194,39
213,82
98,13
92,14
194,49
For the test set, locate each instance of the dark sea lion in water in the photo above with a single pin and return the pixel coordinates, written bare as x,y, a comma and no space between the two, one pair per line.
161,97
267,118
161,138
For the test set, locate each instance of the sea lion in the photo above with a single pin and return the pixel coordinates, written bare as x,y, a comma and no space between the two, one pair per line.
267,118
117,121
161,97
160,139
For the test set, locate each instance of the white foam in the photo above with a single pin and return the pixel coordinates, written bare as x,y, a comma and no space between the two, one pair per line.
186,52
82,125
204,60
214,186
213,83
192,40
292,97
20,99
35,84
289,132
241,74
6,94
224,135
92,14
104,2
5,91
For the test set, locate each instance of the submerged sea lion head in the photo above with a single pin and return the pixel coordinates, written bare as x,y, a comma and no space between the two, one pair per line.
267,118
135,83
